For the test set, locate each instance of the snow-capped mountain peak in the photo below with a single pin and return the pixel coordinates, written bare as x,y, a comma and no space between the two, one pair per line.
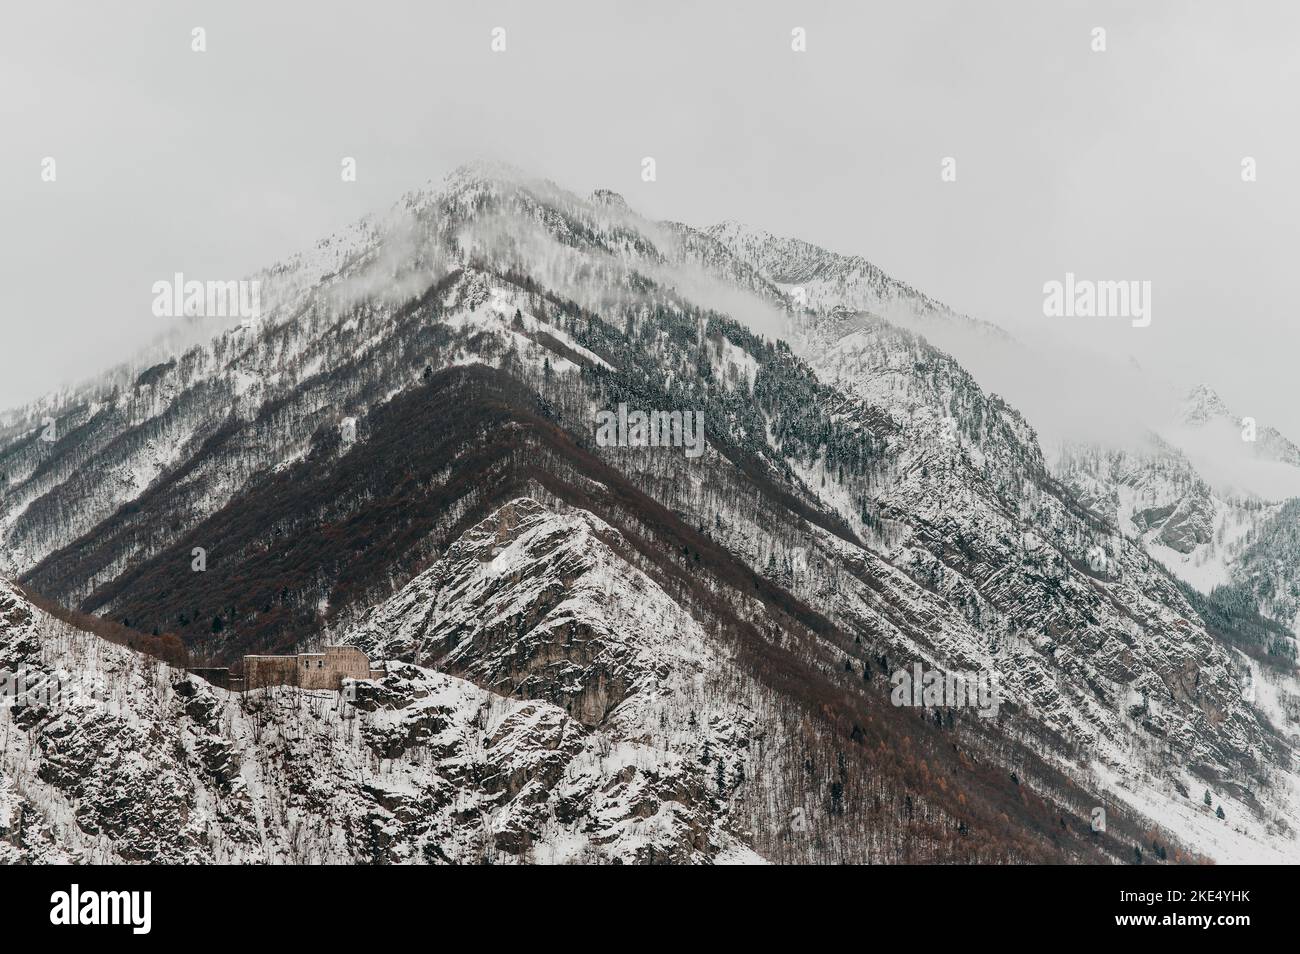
693,647
1203,405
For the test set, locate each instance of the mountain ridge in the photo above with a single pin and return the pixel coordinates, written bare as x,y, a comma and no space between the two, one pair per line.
861,500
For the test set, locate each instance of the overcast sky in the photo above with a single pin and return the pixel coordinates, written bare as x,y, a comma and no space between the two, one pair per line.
1117,165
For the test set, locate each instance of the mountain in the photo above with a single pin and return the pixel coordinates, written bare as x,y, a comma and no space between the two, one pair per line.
818,280
1211,496
1231,439
405,454
1196,490
129,760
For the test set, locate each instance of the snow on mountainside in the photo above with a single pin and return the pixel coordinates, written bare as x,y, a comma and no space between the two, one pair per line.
131,760
1000,548
557,581
1207,496
821,281
1267,573
1156,496
1191,489
718,631
1237,455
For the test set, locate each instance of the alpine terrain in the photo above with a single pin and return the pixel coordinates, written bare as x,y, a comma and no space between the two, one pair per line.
459,438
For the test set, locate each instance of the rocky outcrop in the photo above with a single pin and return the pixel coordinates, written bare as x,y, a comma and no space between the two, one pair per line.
139,762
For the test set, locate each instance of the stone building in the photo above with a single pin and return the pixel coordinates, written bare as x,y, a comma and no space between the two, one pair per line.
323,670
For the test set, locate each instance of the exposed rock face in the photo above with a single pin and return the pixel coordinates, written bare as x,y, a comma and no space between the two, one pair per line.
609,198
145,763
1213,534
601,651
535,605
1189,525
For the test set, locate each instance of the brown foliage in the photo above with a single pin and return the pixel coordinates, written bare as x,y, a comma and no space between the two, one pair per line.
167,646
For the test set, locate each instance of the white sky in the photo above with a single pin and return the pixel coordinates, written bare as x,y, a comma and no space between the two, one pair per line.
1115,165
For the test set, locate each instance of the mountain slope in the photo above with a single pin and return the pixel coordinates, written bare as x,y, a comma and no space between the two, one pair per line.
1214,507
134,761
863,506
